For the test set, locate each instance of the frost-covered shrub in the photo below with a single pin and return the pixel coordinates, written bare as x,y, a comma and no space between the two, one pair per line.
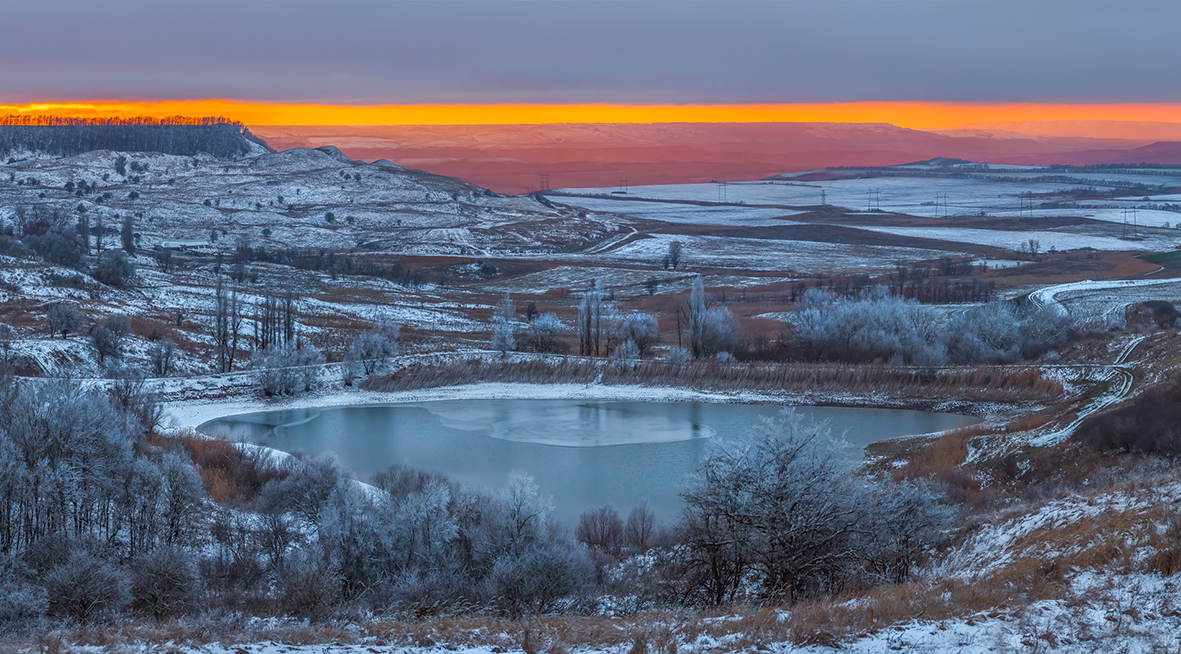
678,356
628,353
538,578
85,586
164,582
878,326
20,600
309,587
287,369
782,510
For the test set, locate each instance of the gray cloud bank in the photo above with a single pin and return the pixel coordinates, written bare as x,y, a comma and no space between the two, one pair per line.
342,51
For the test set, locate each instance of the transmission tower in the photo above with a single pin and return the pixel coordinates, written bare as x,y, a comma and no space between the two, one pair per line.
823,198
544,184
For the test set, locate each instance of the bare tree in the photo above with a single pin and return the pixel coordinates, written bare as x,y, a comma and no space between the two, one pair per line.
590,320
697,318
674,254
127,234
227,325
600,528
640,528
162,355
7,336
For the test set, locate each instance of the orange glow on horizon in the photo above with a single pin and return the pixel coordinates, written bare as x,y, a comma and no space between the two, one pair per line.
914,115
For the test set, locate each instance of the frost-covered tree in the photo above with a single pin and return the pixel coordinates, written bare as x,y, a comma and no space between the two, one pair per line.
373,348
783,510
876,325
639,328
287,369
542,334
872,325
115,269
107,338
504,322
781,505
64,319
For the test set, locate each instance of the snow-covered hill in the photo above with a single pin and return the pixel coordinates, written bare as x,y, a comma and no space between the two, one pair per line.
297,198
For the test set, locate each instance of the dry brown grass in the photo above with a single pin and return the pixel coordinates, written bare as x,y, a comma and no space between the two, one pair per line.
1028,423
230,475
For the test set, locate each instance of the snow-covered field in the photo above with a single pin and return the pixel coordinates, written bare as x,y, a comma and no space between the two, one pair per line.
685,213
912,195
1012,240
767,254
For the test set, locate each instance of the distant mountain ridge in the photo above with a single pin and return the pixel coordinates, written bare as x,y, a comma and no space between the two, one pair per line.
1159,153
519,158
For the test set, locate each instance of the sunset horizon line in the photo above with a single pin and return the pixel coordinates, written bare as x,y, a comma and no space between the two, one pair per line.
919,115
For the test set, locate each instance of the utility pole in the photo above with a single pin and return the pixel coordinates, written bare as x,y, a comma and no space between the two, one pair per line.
823,198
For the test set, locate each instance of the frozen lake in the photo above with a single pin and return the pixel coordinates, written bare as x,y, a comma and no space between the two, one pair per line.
584,454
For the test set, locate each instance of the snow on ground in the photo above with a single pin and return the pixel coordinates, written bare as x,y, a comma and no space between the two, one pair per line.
296,198
685,213
1013,239
766,254
912,195
580,277
1104,302
1110,214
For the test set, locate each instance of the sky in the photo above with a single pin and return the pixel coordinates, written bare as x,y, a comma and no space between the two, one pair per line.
602,52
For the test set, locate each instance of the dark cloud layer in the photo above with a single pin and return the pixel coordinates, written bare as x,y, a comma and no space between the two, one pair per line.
567,51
